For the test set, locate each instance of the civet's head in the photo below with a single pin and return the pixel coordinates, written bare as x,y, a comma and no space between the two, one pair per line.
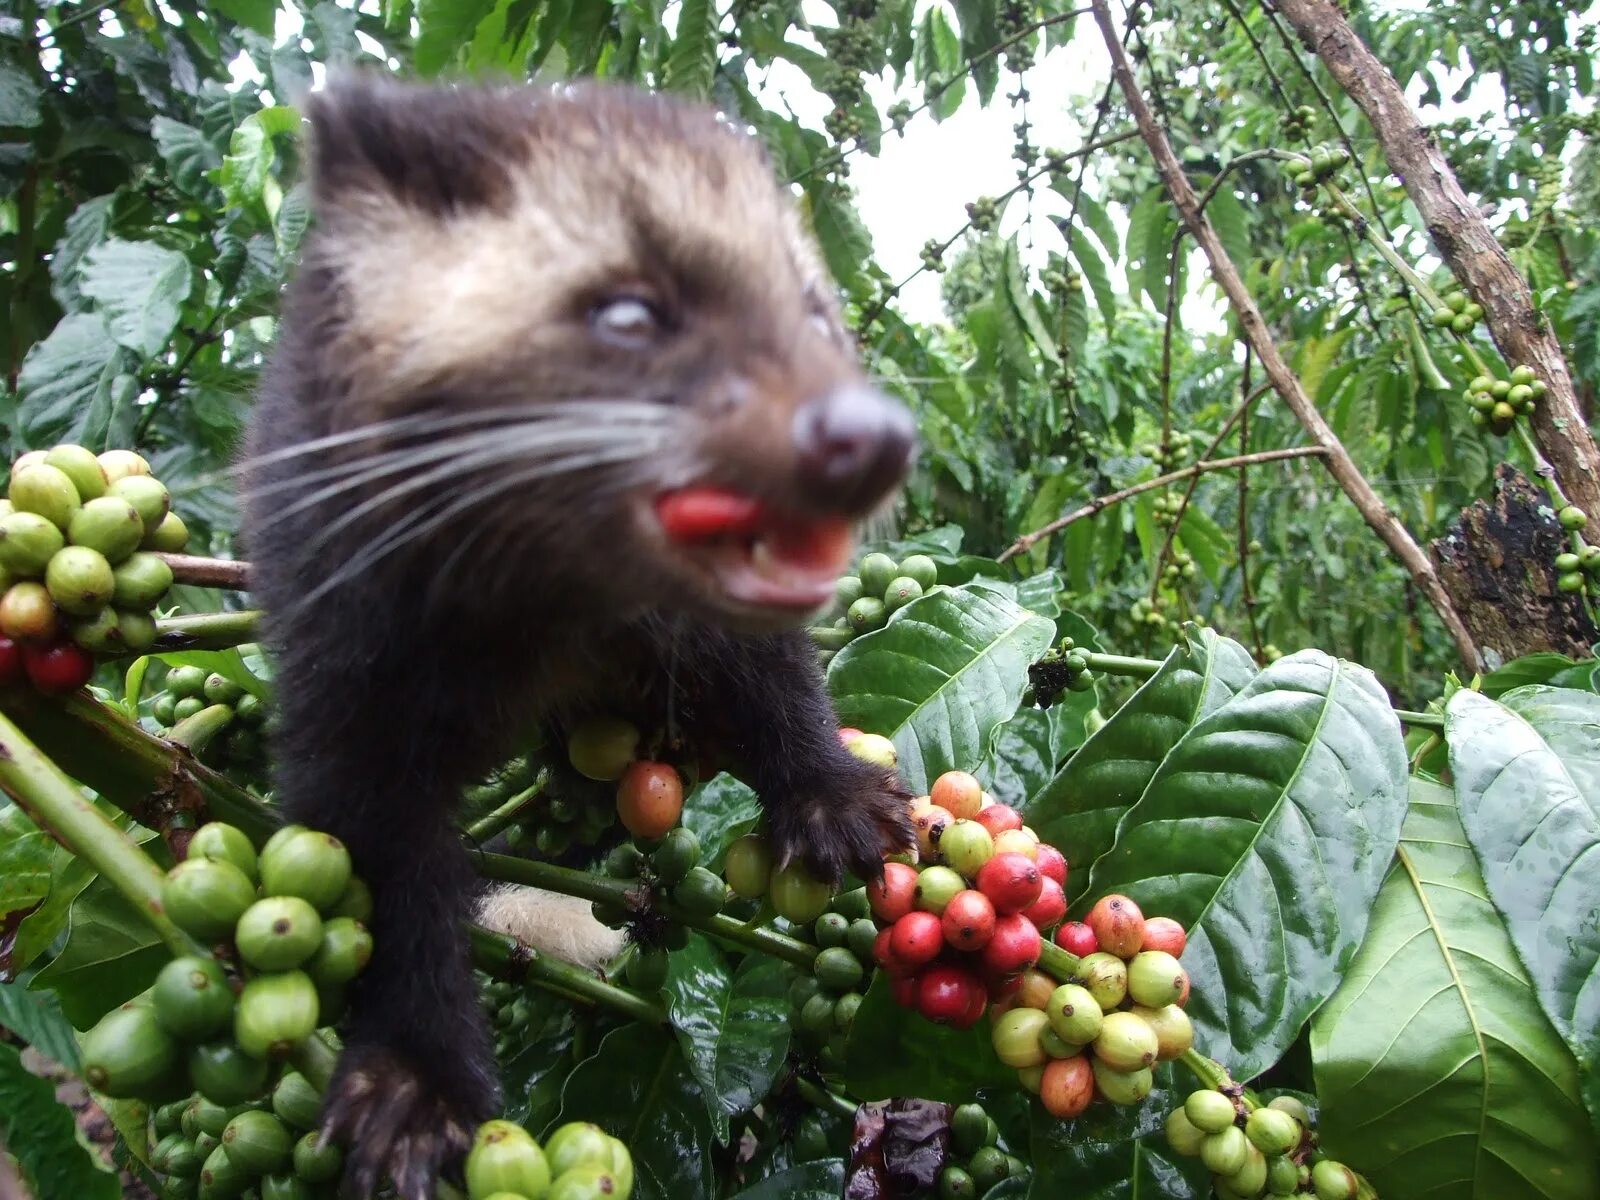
600,314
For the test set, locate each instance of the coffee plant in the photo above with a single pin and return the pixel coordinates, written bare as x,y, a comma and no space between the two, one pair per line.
1196,909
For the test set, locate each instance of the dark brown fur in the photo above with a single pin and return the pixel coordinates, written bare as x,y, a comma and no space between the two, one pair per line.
464,239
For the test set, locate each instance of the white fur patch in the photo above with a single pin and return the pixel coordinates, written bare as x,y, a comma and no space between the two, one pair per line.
561,926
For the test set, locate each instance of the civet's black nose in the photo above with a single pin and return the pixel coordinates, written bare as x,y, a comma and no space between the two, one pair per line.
854,445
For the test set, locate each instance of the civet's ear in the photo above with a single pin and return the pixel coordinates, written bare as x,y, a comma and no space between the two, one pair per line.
433,147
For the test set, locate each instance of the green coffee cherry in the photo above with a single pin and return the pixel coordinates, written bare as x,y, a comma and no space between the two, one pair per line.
1210,1112
219,689
147,495
108,525
80,580
222,842
82,468
296,1103
257,1142
286,1187
185,681
1272,1131
314,1163
1283,1177
139,581
128,1054
1225,1152
848,590
505,1158
677,855
192,999
220,1179
275,1013
205,898
1183,1135
876,573
577,1144
169,537
313,866
702,893
1123,1087
647,969
867,614
27,543
99,634
1334,1181
1074,1014
187,707
355,902
278,933
922,569
344,953
1572,518
45,490
969,1129
838,970
175,1154
136,630
224,1074
901,592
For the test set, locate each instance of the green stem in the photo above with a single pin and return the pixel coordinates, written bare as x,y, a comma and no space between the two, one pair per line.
1211,1073
146,777
57,805
1061,965
1117,664
1421,720
495,822
823,1098
195,733
587,886
207,631
507,958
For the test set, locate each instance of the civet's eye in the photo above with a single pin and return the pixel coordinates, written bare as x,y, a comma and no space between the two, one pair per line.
626,321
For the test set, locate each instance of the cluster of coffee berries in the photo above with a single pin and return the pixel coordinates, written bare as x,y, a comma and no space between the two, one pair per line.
1061,282
578,1161
78,536
1148,611
1497,403
1166,508
959,930
1062,668
899,114
1307,172
1100,1034
270,1145
1173,453
649,793
1181,567
932,255
234,716
826,1000
1257,1151
1011,24
1457,313
1297,123
286,937
556,812
975,1162
879,587
983,214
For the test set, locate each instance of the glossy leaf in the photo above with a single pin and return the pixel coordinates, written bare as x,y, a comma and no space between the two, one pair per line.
821,1180
733,1026
140,287
1022,757
939,677
719,811
1113,1153
1078,809
692,63
42,1135
1266,833
110,956
638,1087
1437,1072
1526,773
893,1052
36,1018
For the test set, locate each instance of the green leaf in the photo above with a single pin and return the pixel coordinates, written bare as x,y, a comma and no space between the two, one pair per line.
19,97
846,245
110,956
733,1026
42,1135
1022,757
1232,224
86,228
140,287
1094,270
939,677
1528,781
722,809
258,15
1022,302
25,857
637,1087
1113,1153
892,1053
188,153
1266,833
938,61
1433,1055
821,1180
1091,212
1531,668
64,391
692,61
1078,810
36,1018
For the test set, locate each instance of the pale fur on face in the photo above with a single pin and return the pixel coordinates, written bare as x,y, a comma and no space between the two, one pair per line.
600,195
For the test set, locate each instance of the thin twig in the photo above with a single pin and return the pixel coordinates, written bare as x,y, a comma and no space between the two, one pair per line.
1340,465
1026,541
209,572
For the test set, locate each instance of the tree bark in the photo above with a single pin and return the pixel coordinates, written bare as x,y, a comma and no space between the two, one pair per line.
1498,562
1343,469
1465,242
